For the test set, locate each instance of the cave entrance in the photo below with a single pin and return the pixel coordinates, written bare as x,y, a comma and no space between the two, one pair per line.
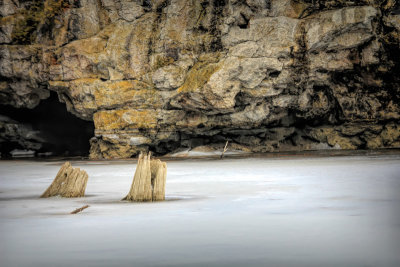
60,132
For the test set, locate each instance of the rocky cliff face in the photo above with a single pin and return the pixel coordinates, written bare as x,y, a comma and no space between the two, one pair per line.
268,75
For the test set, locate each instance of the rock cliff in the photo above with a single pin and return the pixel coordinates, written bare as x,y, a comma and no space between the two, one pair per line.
268,75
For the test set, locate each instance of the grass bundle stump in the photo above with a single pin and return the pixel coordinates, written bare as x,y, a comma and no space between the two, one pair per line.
149,180
69,182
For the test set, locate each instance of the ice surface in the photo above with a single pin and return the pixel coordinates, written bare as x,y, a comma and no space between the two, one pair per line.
328,211
18,153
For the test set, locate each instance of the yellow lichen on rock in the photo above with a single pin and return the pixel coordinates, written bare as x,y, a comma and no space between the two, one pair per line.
159,61
296,9
391,133
332,137
36,15
335,139
118,92
107,94
198,76
125,119
88,46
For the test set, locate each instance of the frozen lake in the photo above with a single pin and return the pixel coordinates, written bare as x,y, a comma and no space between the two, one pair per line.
316,211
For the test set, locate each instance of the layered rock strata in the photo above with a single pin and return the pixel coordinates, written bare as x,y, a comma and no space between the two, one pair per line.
274,75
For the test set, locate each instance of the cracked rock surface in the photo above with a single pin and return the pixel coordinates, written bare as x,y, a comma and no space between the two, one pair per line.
274,75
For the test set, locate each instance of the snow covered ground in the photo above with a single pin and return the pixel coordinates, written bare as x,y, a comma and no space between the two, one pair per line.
326,211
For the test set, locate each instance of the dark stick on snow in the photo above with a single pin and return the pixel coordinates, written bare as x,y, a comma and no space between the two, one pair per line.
225,149
80,209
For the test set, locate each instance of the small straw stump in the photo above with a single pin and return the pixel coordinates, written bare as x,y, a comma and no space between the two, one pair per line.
69,182
149,180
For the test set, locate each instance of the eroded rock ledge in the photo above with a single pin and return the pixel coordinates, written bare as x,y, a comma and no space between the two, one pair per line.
275,75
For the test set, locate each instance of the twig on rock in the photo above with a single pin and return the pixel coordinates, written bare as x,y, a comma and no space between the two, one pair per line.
225,149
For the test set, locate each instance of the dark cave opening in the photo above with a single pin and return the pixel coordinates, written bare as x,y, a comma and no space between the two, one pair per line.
62,133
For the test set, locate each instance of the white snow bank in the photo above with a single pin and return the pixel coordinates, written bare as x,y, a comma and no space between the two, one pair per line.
204,151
